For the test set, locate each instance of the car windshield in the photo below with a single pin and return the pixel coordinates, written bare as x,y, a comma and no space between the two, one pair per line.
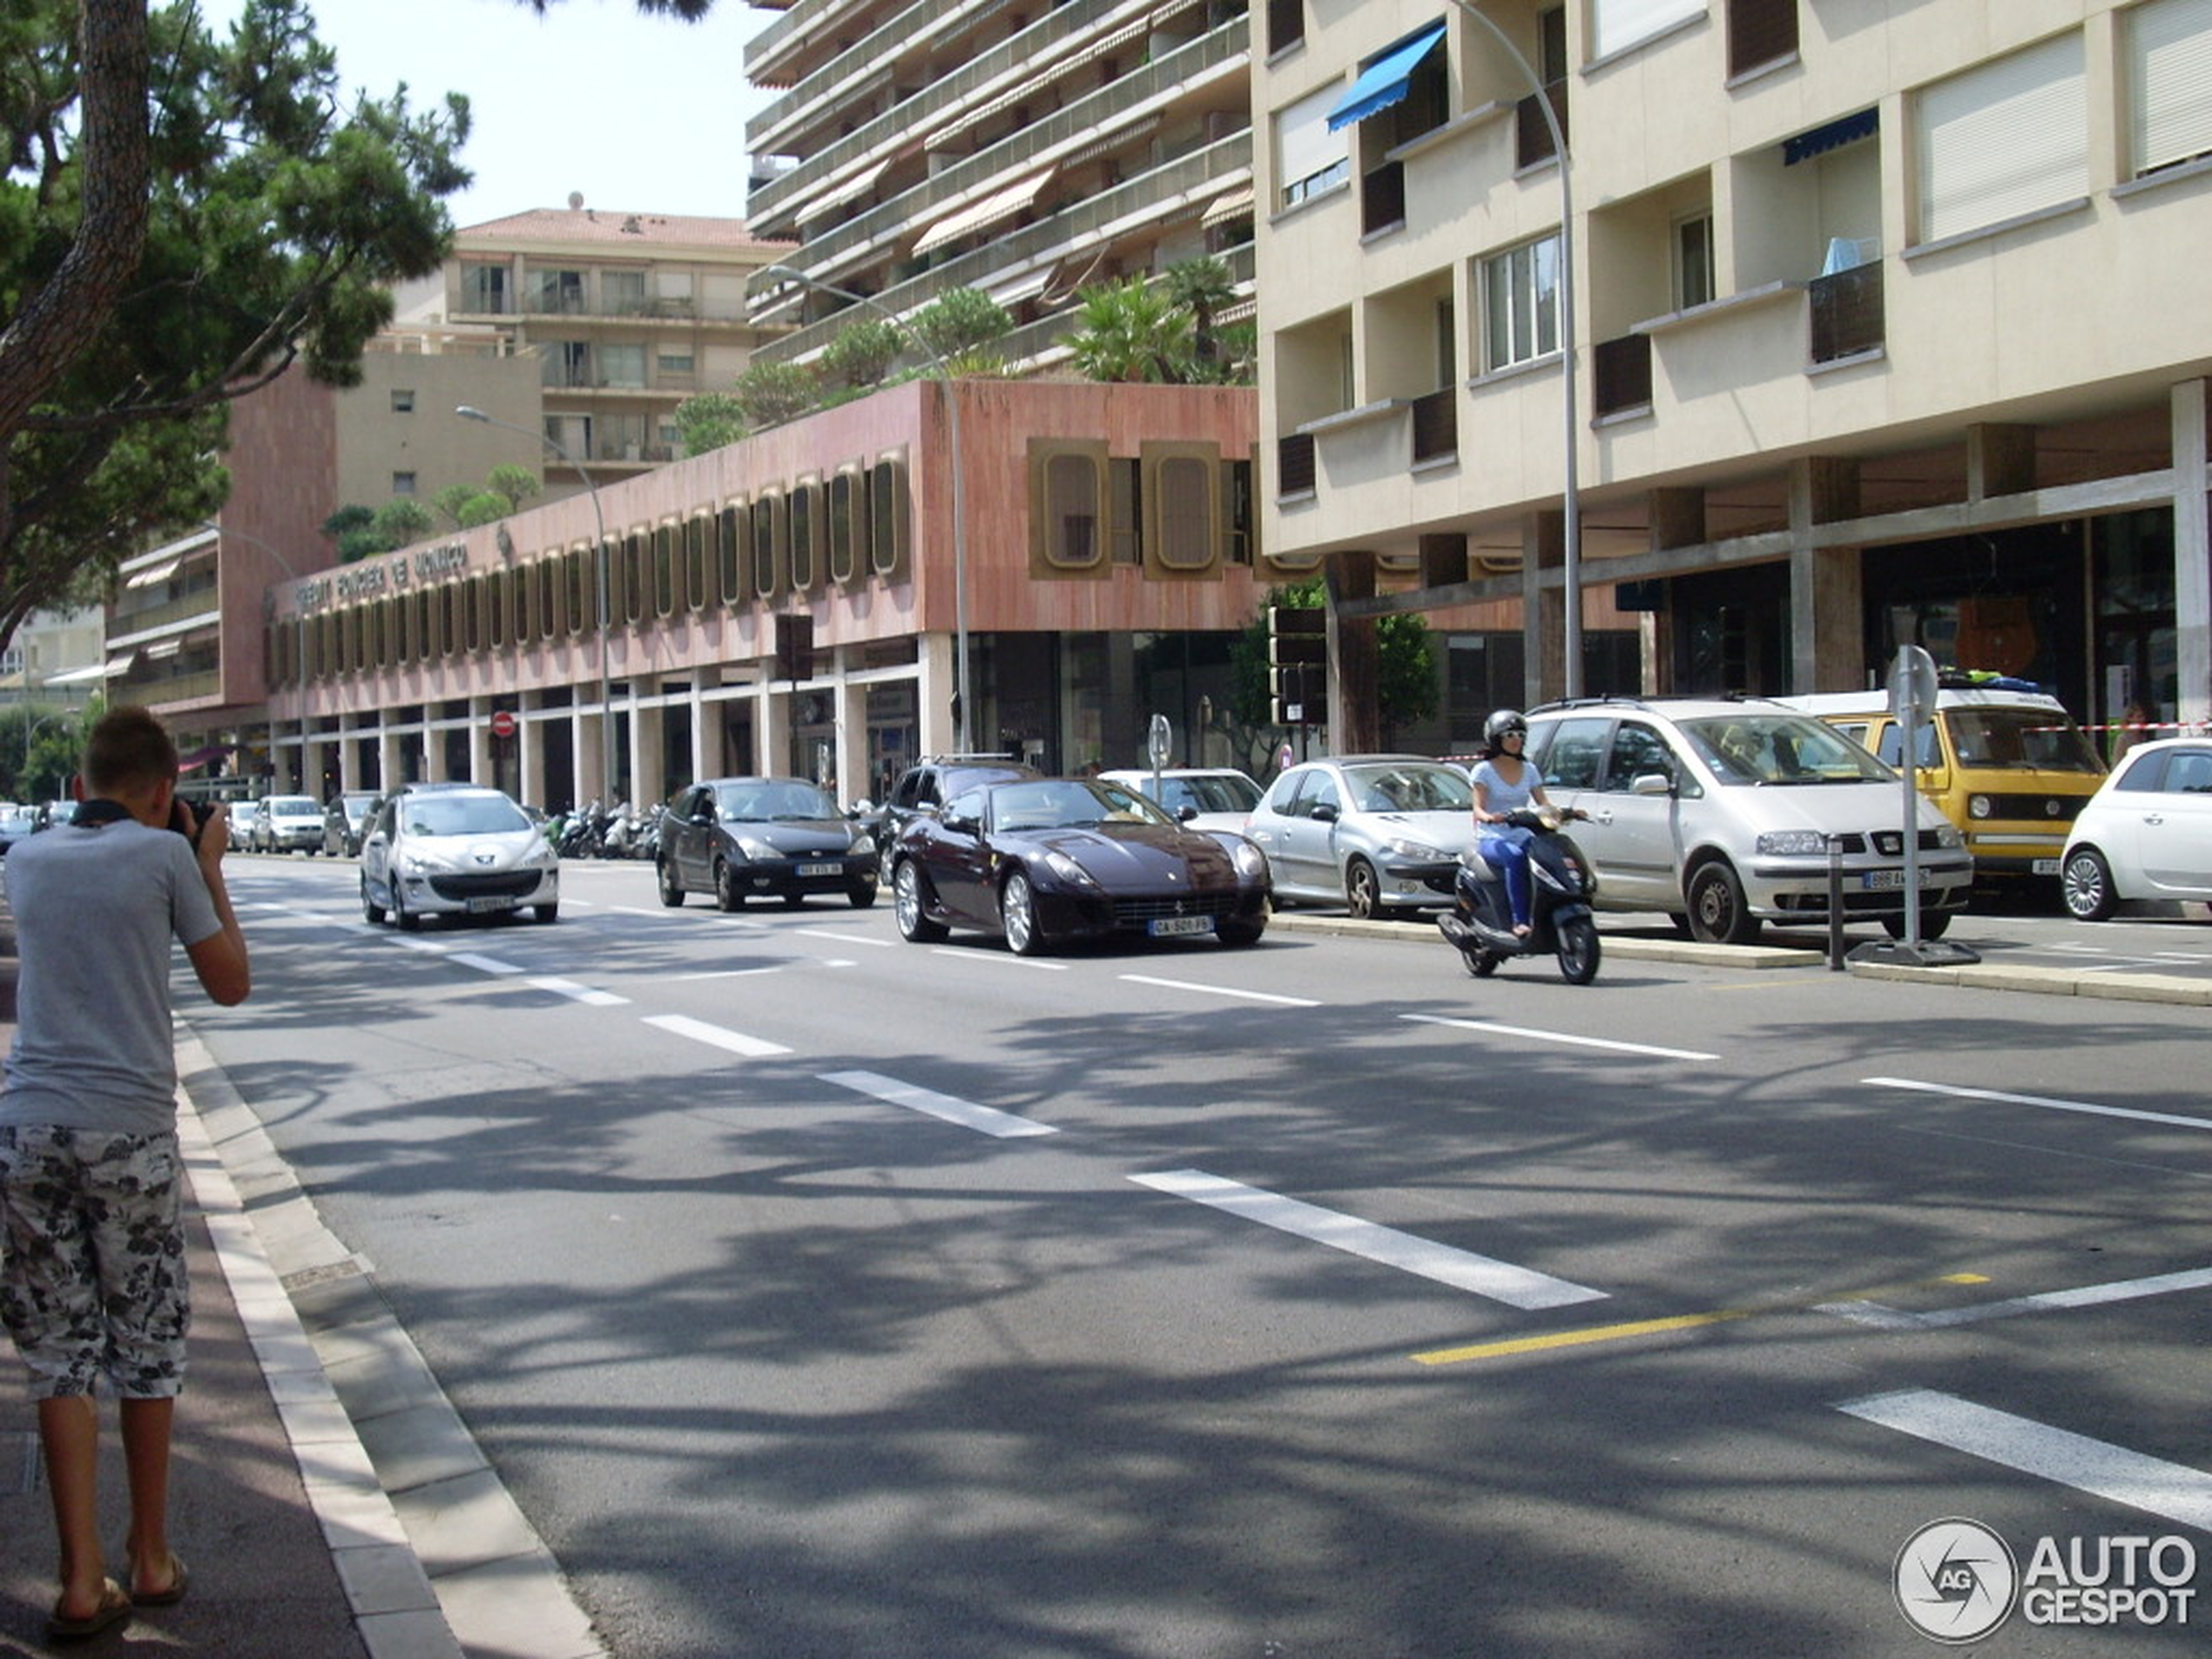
1068,803
464,815
1223,793
294,806
1425,788
1761,749
771,803
2021,740
17,818
356,805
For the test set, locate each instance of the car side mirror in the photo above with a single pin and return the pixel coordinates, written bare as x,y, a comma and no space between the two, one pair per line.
1324,814
960,823
1183,815
1651,783
860,808
703,820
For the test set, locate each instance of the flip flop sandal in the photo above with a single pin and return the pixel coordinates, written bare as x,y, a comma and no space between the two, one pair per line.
180,1582
114,1609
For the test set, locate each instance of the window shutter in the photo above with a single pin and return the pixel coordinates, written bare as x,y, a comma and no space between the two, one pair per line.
2169,49
1618,24
1303,141
2004,139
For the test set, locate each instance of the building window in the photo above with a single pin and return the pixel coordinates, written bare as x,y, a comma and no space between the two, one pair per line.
1760,33
1308,158
621,365
484,289
678,362
1616,25
1285,24
621,294
566,362
1186,510
2169,82
403,484
559,291
403,401
1071,512
1520,303
1694,284
2007,139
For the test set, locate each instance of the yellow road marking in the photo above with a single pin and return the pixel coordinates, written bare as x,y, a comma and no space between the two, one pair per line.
1652,1327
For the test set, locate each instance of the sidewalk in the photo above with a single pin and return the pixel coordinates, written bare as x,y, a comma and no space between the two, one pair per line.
296,1551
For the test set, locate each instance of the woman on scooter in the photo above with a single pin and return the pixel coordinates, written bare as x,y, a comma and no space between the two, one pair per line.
1504,783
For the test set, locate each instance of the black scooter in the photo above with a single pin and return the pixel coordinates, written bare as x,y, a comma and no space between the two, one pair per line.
1480,921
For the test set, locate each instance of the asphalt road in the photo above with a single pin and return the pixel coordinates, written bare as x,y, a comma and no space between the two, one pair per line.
820,1294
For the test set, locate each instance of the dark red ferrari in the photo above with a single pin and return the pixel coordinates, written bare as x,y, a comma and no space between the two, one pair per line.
1047,861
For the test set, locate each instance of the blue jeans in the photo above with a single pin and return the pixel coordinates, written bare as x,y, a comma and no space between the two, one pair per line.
1507,851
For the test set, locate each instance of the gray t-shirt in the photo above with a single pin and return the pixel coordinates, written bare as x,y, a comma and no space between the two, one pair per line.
95,910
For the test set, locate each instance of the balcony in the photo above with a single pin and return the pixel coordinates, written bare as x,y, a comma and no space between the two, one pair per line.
1382,199
1295,471
1532,143
1621,374
1436,426
1847,314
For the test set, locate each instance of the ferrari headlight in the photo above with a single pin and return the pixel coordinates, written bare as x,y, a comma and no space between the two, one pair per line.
1252,863
1068,870
1792,844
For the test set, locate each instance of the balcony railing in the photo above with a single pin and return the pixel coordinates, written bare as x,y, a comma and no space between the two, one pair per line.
1436,426
1294,465
1532,133
1760,33
1620,370
1847,313
1382,198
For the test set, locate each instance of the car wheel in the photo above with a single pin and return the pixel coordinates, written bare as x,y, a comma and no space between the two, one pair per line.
1578,951
726,895
545,913
1240,930
370,908
1717,912
672,889
909,910
2086,885
860,897
1363,891
1018,916
1933,924
402,918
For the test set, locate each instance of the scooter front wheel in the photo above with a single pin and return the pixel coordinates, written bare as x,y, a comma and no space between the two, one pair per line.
1578,950
1480,963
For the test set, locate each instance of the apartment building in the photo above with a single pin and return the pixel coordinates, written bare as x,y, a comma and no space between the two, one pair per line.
626,314
1884,320
1023,149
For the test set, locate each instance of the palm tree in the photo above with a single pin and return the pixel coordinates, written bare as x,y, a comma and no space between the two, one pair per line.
1131,331
1205,287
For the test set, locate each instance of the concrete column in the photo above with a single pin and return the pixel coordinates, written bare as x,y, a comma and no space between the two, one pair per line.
701,765
2192,554
1827,627
852,737
482,769
1543,610
434,752
529,741
391,760
933,695
587,740
648,749
349,764
771,726
2000,460
1355,707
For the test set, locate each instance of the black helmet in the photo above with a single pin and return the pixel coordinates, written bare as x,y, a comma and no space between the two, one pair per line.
1500,724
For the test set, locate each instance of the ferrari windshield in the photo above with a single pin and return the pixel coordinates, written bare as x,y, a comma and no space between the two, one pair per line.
1068,803
1758,749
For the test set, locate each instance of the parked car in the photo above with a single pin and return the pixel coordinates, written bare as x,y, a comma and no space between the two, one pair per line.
15,822
1207,798
1719,813
1375,833
294,823
456,850
57,812
251,828
926,785
345,821
1045,860
762,838
2145,834
2006,764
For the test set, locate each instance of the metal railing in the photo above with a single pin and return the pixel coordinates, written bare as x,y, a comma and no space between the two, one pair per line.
1296,473
1436,425
1847,314
1620,375
1382,198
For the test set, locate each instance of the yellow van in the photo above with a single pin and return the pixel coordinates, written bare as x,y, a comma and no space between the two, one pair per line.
2011,769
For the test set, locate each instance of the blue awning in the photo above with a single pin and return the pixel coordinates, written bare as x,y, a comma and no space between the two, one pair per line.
1834,136
1383,83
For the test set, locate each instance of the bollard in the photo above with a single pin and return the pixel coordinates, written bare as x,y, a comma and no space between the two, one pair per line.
1835,904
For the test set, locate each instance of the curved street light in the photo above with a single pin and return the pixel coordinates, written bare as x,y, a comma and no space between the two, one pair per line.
470,412
961,687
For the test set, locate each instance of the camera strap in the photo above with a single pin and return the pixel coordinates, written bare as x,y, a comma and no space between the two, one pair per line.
92,813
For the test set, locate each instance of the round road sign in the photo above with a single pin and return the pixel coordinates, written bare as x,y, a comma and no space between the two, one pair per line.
502,722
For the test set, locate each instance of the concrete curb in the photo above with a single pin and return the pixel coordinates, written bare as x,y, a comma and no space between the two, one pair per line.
437,1559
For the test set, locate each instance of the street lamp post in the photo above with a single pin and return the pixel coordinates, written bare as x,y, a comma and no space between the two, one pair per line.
470,412
961,687
1570,501
299,636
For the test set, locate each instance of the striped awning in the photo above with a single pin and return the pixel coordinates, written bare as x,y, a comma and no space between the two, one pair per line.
1237,204
1002,204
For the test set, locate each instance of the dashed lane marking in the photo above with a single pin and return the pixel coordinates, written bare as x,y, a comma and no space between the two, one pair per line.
2125,1290
1519,1287
583,993
2045,1102
1223,991
985,1120
716,1036
1561,1036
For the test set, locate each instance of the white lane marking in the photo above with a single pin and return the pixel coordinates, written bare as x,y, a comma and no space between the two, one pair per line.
2173,1491
2083,1296
844,939
1223,991
986,1119
1561,1036
699,1031
635,910
728,972
583,993
486,964
427,946
1518,1287
2042,1101
1008,960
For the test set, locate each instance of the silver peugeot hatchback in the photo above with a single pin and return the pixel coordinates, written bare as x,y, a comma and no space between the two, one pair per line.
448,850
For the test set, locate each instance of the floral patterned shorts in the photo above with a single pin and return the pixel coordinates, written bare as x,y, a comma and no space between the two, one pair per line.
94,1279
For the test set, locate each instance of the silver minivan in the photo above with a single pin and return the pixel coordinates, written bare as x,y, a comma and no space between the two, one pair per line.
1720,813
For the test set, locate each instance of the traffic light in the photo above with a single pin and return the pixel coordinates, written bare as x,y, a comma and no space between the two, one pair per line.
1298,661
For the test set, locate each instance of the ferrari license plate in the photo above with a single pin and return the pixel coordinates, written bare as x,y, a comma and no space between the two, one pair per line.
1166,927
806,870
1882,879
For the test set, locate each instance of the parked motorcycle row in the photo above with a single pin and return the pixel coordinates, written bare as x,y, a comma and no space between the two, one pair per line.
595,831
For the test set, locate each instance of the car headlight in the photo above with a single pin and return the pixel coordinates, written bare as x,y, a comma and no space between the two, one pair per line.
753,847
1412,849
863,846
1947,835
1797,843
1252,863
542,856
422,863
1068,870
1977,805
